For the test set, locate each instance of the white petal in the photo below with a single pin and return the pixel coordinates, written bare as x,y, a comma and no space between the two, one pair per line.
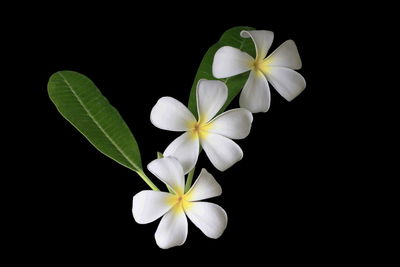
204,187
255,95
234,123
230,61
262,41
221,151
172,230
169,171
286,55
211,96
185,148
287,82
210,218
170,114
149,205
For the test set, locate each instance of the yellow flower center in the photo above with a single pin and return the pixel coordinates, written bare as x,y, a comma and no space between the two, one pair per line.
260,66
179,202
199,129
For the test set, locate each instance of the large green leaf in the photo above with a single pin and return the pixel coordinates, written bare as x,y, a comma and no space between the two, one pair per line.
79,100
230,38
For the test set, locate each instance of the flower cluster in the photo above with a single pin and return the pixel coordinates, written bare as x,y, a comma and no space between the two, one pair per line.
213,133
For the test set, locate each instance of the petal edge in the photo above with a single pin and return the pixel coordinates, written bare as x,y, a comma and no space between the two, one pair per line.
210,218
149,205
230,61
171,115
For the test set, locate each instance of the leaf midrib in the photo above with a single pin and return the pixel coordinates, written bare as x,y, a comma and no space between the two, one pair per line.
97,124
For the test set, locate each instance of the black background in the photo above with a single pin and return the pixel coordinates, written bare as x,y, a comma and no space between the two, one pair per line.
285,198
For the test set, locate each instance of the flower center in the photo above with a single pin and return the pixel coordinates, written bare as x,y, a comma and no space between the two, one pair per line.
257,64
179,203
200,129
260,66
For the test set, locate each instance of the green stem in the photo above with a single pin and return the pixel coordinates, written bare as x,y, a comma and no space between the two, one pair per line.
189,180
147,180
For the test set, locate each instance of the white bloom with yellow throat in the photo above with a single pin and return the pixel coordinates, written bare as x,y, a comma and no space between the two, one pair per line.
149,205
213,134
278,69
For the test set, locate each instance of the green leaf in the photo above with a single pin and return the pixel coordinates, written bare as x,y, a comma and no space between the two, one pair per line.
80,102
230,38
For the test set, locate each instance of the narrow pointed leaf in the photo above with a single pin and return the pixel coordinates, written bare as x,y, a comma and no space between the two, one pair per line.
232,38
80,102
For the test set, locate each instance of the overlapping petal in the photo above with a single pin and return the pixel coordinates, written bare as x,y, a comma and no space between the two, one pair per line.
172,230
169,171
210,218
221,151
230,61
170,114
262,41
234,124
211,96
287,82
255,95
204,187
286,55
149,205
185,148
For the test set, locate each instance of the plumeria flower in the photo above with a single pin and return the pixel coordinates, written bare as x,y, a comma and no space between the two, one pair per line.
278,69
214,135
149,205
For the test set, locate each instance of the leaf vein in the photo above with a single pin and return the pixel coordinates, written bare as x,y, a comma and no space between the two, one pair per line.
91,116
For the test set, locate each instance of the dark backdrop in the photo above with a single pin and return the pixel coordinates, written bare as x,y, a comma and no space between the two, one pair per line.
283,199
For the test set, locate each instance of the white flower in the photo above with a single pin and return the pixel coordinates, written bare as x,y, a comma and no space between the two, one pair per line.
278,69
214,135
149,205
